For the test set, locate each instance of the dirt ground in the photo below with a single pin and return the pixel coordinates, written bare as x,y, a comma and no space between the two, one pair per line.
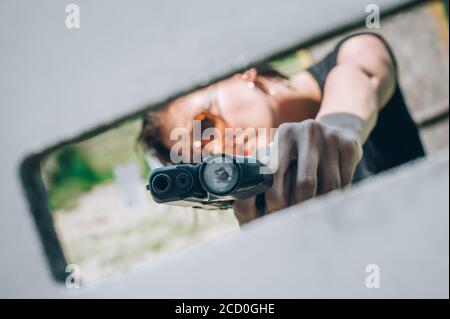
102,235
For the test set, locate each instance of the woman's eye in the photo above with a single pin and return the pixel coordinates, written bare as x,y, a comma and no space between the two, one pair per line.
206,123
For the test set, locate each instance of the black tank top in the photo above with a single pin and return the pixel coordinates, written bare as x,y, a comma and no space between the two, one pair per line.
395,139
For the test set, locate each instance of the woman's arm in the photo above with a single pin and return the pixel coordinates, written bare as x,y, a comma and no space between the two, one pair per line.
361,83
327,150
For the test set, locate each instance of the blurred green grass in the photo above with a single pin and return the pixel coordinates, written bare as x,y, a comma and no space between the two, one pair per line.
446,7
76,168
72,176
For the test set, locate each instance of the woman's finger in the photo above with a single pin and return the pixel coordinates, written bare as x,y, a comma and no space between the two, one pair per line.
350,154
277,196
329,169
307,166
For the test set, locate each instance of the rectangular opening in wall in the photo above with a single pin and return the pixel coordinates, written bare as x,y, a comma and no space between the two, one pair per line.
89,198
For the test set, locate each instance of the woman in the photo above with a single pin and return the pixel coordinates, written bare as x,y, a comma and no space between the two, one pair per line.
338,122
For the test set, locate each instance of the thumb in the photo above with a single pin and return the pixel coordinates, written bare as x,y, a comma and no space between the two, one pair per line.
245,210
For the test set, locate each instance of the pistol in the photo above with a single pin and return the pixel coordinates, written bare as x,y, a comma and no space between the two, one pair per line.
212,184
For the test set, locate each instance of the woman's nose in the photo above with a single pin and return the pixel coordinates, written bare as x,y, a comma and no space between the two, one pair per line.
215,146
238,145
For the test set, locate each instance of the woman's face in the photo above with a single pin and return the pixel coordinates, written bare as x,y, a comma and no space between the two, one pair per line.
239,102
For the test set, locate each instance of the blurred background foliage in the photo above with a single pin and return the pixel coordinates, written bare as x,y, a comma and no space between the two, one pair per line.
77,168
73,176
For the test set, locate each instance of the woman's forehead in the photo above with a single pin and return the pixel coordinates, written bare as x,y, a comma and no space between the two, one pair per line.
190,104
199,97
194,98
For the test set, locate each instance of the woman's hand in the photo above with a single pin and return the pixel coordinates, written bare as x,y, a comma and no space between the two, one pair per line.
314,157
